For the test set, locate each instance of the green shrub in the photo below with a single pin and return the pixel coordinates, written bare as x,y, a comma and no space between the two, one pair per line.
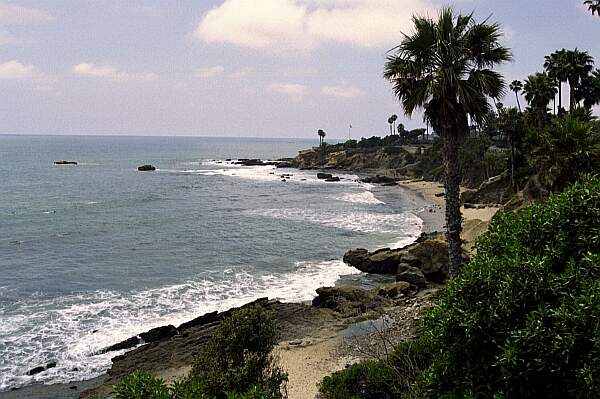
522,318
236,363
367,380
142,385
238,355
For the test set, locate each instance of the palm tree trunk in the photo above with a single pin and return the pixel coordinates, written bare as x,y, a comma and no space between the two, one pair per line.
518,102
512,164
559,96
453,215
571,96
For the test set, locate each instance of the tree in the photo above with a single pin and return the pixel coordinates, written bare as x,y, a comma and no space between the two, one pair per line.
391,120
510,123
593,6
516,86
445,68
322,135
555,66
589,90
578,65
539,90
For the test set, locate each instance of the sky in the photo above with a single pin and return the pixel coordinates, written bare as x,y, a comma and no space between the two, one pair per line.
237,68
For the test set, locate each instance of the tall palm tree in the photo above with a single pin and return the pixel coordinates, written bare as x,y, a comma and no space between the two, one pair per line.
445,68
555,66
593,6
392,120
539,90
516,86
510,123
322,135
578,65
589,90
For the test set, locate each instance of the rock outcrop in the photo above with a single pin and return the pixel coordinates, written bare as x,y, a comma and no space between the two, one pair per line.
146,168
348,300
428,255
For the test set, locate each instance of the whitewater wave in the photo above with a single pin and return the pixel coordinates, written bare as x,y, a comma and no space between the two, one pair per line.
365,197
70,329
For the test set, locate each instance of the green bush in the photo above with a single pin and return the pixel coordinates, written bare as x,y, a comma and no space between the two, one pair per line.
238,356
236,363
522,318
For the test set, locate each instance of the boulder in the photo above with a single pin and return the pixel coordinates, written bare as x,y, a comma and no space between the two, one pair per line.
383,261
36,370
207,318
333,179
146,168
347,299
324,176
285,164
431,257
65,163
378,179
127,344
394,290
411,275
158,333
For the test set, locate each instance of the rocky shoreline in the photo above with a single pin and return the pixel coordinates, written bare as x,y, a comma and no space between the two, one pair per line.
418,268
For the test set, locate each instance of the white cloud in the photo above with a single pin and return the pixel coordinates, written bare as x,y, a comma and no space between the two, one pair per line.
304,24
294,91
17,70
110,72
242,73
210,72
341,91
11,14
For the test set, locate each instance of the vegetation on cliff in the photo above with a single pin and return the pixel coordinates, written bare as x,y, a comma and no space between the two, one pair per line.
519,321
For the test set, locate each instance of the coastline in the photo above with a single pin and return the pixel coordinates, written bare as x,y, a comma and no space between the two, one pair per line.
321,350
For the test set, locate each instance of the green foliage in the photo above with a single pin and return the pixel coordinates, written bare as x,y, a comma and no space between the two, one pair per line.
236,363
367,380
142,385
238,355
521,320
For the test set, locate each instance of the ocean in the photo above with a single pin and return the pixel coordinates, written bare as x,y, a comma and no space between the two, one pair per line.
95,253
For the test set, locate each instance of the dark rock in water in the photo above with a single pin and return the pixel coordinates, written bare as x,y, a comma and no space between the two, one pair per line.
383,261
50,365
127,344
146,168
65,163
159,333
285,164
200,321
228,160
255,162
393,184
378,179
323,176
411,275
333,179
36,370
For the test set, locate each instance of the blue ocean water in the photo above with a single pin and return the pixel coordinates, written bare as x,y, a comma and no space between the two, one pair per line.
95,253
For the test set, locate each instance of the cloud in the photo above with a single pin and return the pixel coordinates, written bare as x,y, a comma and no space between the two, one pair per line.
210,72
16,70
110,72
294,91
341,91
305,24
11,14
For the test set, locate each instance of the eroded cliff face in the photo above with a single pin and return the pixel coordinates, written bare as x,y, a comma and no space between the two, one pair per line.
396,160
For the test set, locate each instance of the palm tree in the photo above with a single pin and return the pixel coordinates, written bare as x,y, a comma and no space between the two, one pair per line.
539,90
322,135
555,66
516,86
391,120
593,6
445,68
589,90
578,65
510,123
